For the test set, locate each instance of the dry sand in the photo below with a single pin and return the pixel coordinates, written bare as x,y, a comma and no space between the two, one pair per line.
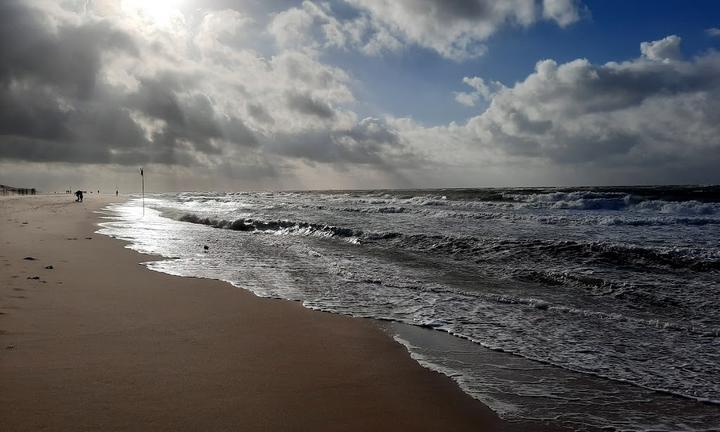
99,342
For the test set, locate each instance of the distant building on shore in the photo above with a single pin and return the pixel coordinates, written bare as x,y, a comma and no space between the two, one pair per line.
11,190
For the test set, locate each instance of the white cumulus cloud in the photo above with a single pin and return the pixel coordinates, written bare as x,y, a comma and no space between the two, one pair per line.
454,29
646,118
665,49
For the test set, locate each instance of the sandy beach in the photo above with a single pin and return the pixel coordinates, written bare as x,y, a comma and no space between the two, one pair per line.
91,340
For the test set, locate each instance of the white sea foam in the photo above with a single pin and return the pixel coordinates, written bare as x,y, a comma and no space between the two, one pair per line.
509,270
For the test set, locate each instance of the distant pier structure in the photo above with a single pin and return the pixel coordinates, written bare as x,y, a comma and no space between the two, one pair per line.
11,190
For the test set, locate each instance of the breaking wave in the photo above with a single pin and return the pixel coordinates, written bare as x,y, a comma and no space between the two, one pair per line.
620,283
277,227
473,249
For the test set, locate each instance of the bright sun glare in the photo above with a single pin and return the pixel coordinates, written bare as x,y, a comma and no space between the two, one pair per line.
157,12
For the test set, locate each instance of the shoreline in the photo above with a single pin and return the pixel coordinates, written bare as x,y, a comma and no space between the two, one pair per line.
101,342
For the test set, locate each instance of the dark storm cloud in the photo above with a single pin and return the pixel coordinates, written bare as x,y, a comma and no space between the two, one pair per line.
259,113
48,89
68,59
25,112
451,10
56,107
370,142
305,104
190,118
157,97
21,148
76,87
52,109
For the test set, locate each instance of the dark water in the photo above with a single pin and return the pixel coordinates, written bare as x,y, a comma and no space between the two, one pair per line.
618,286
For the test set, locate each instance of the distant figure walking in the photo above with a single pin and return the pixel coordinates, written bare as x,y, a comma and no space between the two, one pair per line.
116,192
79,196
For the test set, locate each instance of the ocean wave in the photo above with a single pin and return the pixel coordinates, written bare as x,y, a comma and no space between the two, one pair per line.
277,226
658,221
516,276
473,249
680,208
626,219
570,197
388,209
617,201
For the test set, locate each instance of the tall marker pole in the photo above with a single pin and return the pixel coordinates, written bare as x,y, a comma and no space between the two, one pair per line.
142,176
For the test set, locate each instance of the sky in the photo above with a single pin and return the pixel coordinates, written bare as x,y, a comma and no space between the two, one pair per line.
251,94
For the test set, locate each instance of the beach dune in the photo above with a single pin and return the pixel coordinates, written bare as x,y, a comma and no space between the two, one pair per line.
91,340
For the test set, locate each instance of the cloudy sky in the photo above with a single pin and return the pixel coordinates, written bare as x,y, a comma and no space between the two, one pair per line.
258,94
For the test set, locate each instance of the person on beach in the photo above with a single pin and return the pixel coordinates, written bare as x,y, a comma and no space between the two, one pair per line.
79,196
116,192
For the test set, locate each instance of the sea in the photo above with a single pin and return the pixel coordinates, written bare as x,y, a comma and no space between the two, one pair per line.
597,308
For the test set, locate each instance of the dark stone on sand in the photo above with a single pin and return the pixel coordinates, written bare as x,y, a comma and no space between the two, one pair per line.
30,258
49,267
10,347
88,238
33,277
206,247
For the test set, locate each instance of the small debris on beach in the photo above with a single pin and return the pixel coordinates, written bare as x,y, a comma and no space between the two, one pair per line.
33,277
49,267
29,258
10,347
206,247
88,238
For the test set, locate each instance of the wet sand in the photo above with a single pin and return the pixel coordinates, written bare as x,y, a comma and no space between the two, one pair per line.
99,342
